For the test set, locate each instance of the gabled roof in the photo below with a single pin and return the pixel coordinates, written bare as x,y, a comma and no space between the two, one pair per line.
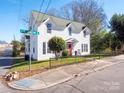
58,21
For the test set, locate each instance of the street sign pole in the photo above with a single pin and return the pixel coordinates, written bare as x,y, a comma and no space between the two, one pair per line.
30,55
29,32
30,59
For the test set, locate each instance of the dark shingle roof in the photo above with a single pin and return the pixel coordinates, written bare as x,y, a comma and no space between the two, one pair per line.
59,21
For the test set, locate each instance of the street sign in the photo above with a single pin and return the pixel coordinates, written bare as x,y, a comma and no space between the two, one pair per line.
24,31
35,33
28,33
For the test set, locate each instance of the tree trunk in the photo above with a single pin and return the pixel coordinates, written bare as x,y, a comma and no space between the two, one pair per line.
56,55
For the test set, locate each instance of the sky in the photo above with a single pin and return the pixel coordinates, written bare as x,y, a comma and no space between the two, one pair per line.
12,13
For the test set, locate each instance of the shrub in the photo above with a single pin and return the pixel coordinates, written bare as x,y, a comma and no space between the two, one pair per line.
107,51
64,53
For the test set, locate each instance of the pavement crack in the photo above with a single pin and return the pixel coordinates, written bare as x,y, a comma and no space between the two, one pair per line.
76,88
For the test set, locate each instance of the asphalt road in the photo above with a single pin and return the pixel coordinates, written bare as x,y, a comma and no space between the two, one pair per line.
109,80
5,59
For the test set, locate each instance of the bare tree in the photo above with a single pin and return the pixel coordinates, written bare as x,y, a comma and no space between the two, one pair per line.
89,12
54,12
66,12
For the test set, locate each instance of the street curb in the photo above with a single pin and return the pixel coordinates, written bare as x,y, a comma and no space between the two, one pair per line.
29,89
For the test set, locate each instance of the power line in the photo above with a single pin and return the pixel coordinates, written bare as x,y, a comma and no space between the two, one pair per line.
49,2
41,5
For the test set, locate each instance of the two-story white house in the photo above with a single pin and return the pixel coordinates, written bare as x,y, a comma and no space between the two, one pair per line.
76,35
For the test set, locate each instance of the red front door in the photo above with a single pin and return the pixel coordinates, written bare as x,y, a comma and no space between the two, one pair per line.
69,46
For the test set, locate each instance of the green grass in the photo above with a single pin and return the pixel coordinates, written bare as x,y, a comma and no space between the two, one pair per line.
22,65
65,61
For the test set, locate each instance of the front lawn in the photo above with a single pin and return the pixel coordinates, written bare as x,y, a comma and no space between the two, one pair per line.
22,65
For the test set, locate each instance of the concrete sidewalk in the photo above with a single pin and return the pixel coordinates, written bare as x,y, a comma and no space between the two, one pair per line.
63,74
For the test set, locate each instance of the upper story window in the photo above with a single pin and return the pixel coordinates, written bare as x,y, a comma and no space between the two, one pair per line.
49,27
85,33
70,31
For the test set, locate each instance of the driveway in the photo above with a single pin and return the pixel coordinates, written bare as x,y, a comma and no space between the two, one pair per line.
5,59
5,64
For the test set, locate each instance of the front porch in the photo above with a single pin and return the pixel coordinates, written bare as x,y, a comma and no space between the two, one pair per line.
70,43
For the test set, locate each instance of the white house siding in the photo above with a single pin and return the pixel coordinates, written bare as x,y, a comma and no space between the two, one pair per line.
34,45
37,41
44,37
26,46
34,54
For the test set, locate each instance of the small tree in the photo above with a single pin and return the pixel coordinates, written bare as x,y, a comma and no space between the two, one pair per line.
97,44
56,44
16,48
22,44
117,26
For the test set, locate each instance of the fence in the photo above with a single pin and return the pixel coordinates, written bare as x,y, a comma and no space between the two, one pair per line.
74,59
22,65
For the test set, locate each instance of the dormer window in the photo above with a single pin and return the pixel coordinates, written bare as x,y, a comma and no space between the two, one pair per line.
85,33
49,27
70,31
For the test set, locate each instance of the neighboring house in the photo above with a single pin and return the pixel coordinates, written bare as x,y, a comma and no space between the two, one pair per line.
76,35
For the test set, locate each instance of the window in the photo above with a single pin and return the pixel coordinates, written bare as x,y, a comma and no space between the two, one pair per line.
25,49
84,47
70,31
48,49
28,47
33,50
49,27
85,33
44,47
